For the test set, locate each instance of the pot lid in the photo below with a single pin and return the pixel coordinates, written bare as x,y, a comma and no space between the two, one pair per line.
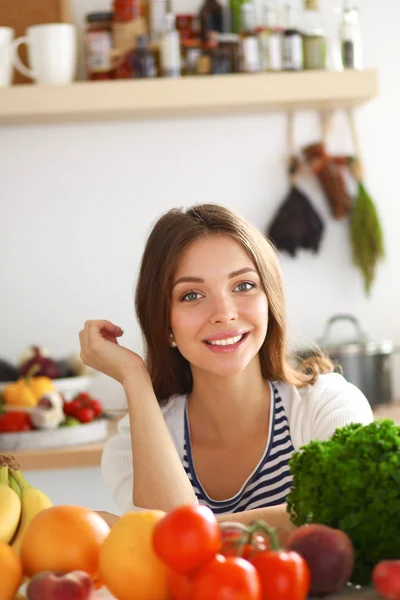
360,344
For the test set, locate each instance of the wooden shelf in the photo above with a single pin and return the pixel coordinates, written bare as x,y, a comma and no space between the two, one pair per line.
187,96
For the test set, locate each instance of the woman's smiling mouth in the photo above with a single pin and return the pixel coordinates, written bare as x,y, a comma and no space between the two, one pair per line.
227,344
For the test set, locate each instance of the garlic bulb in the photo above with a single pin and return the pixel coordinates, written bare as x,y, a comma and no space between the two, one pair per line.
49,413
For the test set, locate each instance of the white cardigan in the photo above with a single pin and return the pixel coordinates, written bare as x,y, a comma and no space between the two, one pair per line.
314,413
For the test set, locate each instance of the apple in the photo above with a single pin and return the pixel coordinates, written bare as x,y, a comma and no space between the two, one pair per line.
54,585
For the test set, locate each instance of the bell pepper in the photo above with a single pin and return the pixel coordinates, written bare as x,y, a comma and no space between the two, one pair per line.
28,390
15,421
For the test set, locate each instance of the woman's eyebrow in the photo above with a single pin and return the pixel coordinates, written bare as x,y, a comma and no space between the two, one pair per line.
190,279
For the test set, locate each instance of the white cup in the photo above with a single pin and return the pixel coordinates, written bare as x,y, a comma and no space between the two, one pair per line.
52,53
6,64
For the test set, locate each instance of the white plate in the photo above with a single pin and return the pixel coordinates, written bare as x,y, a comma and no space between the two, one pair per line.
95,431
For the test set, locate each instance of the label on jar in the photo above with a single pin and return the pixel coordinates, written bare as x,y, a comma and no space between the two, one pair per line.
292,50
98,47
271,52
250,54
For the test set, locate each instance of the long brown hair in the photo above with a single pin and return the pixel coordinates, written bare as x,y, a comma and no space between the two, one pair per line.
171,235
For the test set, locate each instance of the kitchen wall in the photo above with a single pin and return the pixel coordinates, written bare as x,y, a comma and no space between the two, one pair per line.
78,200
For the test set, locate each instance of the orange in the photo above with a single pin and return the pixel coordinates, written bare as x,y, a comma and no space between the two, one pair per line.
64,538
129,567
10,572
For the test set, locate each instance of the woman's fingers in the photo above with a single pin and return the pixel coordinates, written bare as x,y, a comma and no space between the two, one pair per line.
94,332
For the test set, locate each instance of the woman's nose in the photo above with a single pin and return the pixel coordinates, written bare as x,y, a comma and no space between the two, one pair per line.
223,310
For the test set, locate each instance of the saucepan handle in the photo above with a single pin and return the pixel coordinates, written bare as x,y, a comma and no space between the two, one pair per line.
361,336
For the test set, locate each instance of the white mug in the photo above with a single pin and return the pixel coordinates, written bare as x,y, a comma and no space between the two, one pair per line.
52,53
6,64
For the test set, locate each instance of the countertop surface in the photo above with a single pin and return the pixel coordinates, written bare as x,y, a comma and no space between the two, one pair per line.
70,457
349,593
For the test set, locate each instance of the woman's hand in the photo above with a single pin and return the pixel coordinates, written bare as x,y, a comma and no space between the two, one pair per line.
101,351
109,518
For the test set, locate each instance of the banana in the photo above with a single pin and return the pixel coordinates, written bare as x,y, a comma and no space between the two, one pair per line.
10,508
33,501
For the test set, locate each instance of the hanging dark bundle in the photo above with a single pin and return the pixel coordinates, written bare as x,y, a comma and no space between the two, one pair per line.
296,224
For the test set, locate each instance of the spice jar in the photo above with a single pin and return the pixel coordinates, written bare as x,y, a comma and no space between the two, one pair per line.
228,53
191,52
207,57
98,45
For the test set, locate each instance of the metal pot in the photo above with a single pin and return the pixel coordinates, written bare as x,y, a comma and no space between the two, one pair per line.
366,364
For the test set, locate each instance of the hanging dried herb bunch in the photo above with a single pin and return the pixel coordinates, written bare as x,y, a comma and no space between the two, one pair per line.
365,231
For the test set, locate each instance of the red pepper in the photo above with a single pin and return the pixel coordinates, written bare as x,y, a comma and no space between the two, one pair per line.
15,421
284,574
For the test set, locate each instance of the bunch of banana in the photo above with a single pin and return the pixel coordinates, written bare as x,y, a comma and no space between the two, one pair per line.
10,507
19,504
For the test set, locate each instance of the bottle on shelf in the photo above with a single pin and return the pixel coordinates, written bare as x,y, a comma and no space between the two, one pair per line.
170,52
156,16
350,36
314,38
249,47
270,39
143,60
211,17
292,40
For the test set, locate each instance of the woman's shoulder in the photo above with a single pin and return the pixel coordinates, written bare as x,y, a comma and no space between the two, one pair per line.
315,411
326,388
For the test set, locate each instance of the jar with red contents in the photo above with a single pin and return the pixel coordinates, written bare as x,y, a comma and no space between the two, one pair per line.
98,46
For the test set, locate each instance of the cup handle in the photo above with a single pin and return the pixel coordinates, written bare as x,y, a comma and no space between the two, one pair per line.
19,65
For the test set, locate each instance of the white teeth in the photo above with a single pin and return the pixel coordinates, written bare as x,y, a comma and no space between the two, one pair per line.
227,341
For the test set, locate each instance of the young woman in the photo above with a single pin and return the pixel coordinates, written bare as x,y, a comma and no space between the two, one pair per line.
215,409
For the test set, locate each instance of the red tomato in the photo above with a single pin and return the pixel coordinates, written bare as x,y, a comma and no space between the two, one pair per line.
68,409
386,579
180,586
231,578
97,407
73,407
187,538
284,575
84,414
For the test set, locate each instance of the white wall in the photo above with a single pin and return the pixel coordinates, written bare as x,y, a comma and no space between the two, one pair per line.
77,202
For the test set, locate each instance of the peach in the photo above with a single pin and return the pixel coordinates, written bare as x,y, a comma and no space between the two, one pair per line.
54,585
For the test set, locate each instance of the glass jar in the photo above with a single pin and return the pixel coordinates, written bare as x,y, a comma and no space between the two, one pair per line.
98,45
191,52
229,52
207,57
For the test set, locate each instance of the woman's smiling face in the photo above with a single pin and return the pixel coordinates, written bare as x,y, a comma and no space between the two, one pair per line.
219,310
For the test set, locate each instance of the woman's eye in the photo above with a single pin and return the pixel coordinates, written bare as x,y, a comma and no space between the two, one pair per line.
245,286
190,297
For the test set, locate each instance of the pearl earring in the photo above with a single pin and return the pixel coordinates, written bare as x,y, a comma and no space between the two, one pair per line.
172,343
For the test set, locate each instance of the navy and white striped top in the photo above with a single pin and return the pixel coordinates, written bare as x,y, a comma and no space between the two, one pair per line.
269,483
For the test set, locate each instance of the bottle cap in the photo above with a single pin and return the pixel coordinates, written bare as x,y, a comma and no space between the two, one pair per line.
99,17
